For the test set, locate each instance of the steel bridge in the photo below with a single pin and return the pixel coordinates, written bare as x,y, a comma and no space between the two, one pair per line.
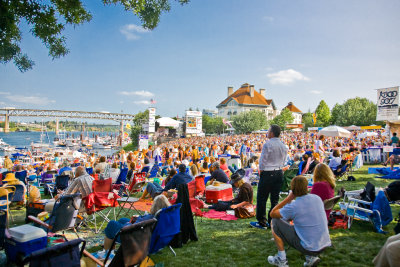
7,112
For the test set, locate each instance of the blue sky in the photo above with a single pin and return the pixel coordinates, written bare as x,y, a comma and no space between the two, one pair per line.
301,51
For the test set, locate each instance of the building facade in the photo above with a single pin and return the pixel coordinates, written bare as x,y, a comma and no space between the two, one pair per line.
297,114
246,98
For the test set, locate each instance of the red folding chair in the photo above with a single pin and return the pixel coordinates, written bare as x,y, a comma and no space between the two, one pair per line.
136,185
102,197
200,185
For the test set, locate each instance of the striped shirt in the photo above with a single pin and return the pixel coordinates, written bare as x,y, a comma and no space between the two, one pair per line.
81,184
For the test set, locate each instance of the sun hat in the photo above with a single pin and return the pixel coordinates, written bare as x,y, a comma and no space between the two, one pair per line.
10,177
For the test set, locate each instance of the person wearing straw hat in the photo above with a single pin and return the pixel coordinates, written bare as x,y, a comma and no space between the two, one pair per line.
11,180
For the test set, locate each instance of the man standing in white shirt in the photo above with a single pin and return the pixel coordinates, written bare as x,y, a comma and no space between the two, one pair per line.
272,159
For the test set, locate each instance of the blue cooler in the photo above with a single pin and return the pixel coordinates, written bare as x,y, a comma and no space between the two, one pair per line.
24,240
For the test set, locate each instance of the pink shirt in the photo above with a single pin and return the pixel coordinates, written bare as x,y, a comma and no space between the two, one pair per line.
324,191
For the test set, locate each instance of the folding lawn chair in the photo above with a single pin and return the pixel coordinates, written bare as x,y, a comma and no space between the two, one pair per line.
61,183
6,194
63,215
154,171
64,254
377,210
136,185
102,197
21,175
200,185
122,176
135,242
168,225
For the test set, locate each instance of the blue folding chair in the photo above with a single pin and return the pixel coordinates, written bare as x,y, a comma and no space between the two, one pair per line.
168,225
122,176
64,254
18,194
21,175
89,170
154,171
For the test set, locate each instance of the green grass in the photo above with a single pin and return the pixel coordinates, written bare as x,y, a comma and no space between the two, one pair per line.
235,243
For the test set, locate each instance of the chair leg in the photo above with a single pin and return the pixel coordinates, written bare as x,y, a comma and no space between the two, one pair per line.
173,251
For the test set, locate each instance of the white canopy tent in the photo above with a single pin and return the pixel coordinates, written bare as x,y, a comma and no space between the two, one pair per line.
168,122
334,131
367,134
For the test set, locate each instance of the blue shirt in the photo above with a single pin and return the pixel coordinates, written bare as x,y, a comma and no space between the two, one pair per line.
220,176
310,222
180,178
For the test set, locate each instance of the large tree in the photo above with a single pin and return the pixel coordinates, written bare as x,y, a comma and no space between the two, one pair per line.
307,120
48,19
284,118
357,111
323,114
136,127
247,122
212,125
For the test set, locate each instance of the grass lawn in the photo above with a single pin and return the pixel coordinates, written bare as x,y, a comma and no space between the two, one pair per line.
235,243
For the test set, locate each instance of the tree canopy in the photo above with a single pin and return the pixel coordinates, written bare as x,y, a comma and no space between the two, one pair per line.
249,121
355,111
47,21
323,114
212,125
136,127
284,118
307,120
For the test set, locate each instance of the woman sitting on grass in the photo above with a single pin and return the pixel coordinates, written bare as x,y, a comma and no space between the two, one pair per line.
113,227
324,183
244,197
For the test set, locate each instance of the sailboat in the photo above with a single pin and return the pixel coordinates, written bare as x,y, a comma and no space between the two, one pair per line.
35,145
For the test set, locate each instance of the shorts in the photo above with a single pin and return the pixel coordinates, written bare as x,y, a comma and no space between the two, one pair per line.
288,234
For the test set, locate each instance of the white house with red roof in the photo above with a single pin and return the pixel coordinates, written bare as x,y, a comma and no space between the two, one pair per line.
244,99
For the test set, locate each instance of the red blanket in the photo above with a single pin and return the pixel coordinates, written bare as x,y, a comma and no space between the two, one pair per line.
219,215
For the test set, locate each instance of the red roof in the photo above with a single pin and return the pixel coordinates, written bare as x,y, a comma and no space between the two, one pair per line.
242,96
292,108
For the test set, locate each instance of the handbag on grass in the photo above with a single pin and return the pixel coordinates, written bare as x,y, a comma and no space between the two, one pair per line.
246,211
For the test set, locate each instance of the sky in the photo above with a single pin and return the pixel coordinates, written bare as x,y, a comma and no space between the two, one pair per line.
300,51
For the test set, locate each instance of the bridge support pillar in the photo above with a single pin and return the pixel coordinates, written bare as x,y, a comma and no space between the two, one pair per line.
7,123
83,127
57,127
121,133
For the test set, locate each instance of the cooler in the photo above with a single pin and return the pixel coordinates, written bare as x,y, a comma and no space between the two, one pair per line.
222,192
236,162
24,240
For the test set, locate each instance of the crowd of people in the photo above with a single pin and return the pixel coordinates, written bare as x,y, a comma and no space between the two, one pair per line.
270,157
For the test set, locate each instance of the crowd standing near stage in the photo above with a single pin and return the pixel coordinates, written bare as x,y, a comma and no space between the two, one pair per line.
269,156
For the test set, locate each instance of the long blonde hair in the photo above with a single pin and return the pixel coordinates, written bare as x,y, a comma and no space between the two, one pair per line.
322,172
159,203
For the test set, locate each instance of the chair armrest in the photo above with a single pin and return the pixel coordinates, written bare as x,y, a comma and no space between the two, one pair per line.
93,258
36,220
360,201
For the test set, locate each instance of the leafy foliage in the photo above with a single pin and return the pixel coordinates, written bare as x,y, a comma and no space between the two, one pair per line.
140,118
212,125
357,111
250,121
307,120
48,19
284,118
323,114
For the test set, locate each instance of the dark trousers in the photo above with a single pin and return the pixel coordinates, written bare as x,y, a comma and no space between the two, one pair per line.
270,184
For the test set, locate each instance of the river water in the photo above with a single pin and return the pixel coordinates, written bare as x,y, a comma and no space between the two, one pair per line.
24,139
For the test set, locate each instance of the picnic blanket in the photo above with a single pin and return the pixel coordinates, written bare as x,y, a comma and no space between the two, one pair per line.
388,174
219,215
142,205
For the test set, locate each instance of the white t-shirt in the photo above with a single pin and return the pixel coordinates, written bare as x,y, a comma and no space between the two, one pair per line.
310,222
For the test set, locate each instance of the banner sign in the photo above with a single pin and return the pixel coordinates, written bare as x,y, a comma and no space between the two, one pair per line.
152,120
143,141
388,104
194,122
387,149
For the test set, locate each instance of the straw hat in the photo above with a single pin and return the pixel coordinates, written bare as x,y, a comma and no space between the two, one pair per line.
10,177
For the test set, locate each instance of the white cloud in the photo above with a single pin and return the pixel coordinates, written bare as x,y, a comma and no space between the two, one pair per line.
132,31
142,102
4,93
34,100
286,77
316,92
137,93
268,18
